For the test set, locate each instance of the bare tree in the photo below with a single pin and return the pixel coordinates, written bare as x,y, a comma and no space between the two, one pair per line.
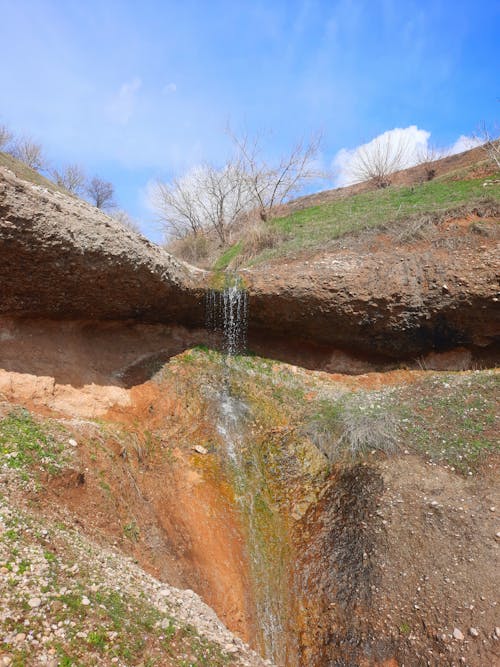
100,193
209,197
490,143
30,152
72,177
6,136
206,197
177,207
271,184
223,197
377,160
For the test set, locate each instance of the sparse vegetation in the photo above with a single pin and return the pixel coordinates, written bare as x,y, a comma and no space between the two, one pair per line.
29,152
85,619
25,445
71,177
313,227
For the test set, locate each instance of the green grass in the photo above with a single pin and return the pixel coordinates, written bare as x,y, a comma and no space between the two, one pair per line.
312,227
25,444
227,257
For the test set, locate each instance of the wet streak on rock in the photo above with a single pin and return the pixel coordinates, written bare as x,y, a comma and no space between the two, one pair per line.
336,571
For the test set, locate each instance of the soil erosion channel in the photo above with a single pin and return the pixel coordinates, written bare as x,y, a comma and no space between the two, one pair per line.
293,501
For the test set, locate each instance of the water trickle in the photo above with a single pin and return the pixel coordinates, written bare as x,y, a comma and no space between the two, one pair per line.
227,313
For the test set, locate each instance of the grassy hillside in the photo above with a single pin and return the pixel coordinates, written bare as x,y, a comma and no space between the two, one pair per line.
313,228
21,170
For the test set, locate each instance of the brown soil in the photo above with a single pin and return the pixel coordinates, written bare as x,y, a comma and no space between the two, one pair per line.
181,524
391,294
139,484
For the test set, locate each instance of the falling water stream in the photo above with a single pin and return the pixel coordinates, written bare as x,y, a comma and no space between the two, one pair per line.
227,316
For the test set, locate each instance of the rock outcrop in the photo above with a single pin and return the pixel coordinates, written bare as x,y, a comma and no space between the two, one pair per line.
62,258
393,299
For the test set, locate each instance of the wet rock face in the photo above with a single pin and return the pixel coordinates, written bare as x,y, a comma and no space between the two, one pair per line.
61,257
336,571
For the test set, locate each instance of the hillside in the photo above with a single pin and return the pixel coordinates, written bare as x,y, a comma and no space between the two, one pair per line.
25,173
409,207
325,495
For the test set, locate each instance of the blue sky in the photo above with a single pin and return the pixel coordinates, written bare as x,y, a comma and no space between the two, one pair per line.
136,90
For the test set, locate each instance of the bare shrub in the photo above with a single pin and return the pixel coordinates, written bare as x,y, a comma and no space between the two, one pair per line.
205,198
353,426
377,160
193,248
30,152
427,157
365,429
416,227
71,177
259,236
6,137
491,144
269,184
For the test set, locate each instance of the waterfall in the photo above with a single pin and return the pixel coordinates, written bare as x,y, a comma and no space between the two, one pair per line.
227,313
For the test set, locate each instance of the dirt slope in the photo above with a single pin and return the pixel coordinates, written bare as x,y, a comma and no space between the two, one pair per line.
378,293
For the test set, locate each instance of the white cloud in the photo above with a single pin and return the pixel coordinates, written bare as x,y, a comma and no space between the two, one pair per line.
121,106
463,143
412,142
170,88
404,145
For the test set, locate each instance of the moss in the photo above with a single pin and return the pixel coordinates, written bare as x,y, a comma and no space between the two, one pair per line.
228,256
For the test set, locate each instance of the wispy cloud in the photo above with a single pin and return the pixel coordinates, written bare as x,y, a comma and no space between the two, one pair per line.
170,88
121,106
464,143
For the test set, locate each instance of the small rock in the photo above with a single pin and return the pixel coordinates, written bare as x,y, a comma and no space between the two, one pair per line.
34,602
474,632
73,442
20,637
200,449
5,661
231,648
85,601
457,635
497,632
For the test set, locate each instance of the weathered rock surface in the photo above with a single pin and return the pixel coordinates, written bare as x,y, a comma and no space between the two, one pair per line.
394,299
62,257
